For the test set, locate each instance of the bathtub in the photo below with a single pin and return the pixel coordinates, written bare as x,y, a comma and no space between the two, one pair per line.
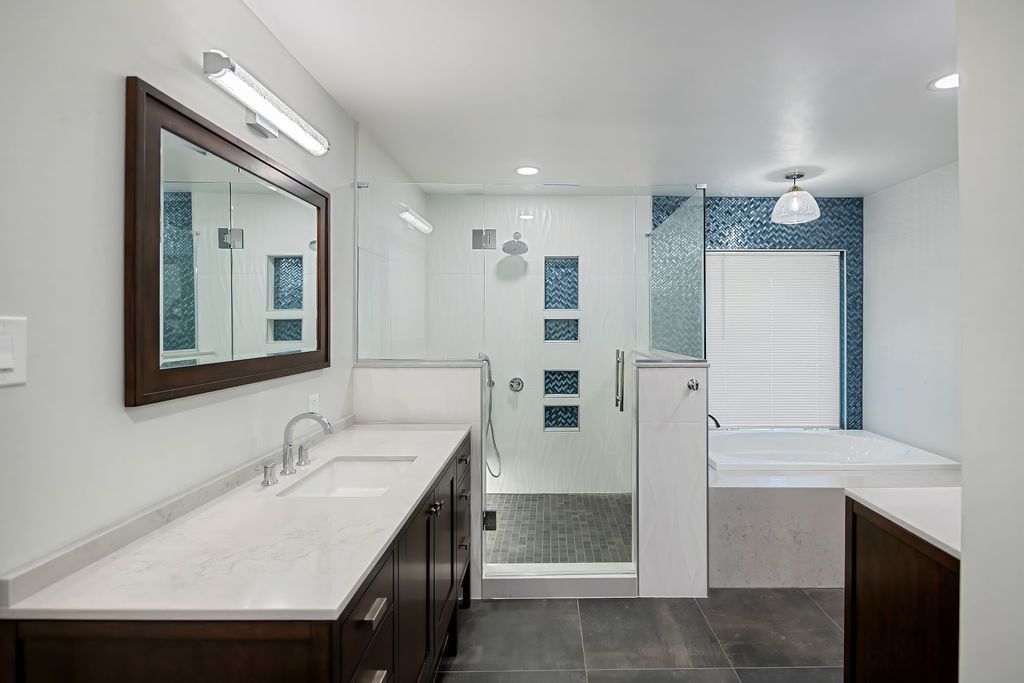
753,450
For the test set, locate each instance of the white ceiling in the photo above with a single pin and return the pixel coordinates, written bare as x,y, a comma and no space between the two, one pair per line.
730,93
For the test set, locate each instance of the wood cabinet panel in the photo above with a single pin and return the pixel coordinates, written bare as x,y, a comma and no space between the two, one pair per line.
444,554
367,617
414,598
902,603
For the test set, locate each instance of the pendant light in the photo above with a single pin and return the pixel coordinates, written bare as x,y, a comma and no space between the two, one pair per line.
797,205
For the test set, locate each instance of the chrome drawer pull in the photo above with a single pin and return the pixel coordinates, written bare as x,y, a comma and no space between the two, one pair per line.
464,544
376,612
378,676
463,461
464,495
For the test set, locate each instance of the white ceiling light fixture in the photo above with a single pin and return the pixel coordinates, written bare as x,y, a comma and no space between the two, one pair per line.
945,82
271,114
527,170
796,205
414,219
526,216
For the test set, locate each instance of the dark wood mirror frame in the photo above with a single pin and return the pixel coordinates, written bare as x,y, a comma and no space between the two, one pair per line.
149,111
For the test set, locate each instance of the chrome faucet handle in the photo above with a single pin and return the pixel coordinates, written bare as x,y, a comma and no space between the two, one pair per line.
288,458
269,477
303,455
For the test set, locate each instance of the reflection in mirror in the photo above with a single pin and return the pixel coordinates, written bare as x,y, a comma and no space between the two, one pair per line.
238,262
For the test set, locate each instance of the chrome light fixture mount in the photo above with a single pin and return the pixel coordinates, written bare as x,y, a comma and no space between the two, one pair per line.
796,205
266,113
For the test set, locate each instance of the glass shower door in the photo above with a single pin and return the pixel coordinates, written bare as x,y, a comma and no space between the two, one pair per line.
556,318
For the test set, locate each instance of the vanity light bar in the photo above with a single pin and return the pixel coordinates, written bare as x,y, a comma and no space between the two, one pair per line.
256,97
414,219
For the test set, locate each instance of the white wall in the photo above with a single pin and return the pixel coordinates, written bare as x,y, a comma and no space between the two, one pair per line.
392,259
912,312
991,127
73,458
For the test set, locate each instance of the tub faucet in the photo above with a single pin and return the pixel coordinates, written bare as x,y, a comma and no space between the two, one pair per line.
718,425
288,457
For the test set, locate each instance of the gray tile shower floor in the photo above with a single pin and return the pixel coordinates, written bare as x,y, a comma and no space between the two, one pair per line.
560,527
736,635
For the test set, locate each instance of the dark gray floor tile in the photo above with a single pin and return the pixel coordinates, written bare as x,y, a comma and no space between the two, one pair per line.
806,675
511,677
663,676
518,635
648,633
772,627
831,600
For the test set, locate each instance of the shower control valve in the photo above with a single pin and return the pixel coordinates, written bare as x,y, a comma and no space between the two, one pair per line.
515,384
693,385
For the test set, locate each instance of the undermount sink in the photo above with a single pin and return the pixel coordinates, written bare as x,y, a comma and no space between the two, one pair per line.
351,477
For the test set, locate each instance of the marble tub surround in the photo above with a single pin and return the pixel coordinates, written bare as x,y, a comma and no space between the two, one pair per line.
25,580
253,554
933,514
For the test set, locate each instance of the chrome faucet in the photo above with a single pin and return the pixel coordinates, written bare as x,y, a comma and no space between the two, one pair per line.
288,457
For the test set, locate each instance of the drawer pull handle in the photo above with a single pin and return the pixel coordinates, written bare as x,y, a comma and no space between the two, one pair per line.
463,461
464,495
378,676
464,544
376,613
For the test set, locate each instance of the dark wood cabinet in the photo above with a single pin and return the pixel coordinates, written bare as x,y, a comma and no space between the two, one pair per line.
902,603
395,629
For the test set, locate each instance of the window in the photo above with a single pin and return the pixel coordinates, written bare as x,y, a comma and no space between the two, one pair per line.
774,337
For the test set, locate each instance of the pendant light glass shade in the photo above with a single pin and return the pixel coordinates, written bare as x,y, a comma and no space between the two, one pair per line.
796,206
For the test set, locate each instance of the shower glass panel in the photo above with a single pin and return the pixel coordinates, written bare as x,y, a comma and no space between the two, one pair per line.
676,256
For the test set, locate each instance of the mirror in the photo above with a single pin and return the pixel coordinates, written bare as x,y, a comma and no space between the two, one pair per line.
226,260
238,262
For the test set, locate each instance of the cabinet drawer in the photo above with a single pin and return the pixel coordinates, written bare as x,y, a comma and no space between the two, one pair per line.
370,615
463,526
463,460
378,666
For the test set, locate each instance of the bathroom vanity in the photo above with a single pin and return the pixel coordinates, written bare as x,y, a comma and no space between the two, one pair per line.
294,582
902,584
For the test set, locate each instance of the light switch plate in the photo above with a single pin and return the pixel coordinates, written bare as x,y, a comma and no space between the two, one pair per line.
14,348
314,403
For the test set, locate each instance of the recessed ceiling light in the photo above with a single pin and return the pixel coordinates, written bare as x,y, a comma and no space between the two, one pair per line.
945,83
526,217
527,170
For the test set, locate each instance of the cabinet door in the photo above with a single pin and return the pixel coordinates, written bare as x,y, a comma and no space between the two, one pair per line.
444,552
415,621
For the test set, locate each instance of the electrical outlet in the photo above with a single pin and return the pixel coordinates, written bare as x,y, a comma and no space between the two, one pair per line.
314,403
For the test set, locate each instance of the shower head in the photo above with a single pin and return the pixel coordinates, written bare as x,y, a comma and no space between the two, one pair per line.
515,246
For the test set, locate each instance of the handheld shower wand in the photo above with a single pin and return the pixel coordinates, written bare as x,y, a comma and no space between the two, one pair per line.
489,428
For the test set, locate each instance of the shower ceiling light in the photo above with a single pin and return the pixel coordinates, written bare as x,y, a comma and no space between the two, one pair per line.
526,217
258,99
797,205
945,83
527,170
414,219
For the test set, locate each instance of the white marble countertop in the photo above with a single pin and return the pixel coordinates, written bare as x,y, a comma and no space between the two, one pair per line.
931,513
253,554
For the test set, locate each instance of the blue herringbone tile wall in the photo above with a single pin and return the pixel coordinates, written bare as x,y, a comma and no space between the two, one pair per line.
561,382
561,282
561,417
561,329
745,223
288,330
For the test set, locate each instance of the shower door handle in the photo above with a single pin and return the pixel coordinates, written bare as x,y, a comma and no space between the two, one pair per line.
620,368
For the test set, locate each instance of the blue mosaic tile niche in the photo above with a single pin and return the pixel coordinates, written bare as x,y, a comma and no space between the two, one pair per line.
561,329
287,282
745,223
561,382
677,275
179,278
561,417
562,282
287,330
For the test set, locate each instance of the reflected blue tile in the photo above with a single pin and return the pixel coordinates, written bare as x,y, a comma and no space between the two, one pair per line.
287,330
179,279
287,282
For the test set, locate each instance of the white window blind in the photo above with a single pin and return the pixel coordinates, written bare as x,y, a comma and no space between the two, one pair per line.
773,326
